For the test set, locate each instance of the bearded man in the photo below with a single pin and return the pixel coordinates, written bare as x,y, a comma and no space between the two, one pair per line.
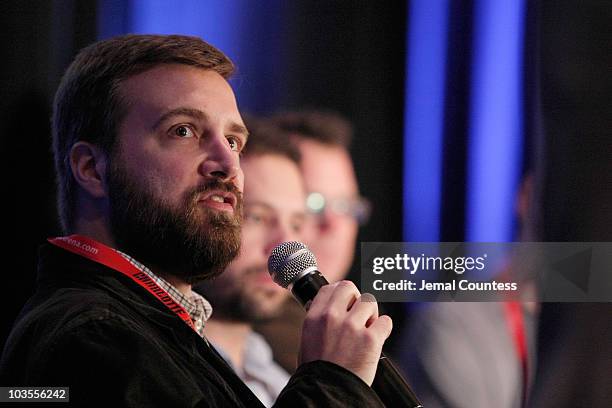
146,138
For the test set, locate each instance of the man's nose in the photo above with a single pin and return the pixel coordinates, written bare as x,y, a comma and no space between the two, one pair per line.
283,232
326,220
221,162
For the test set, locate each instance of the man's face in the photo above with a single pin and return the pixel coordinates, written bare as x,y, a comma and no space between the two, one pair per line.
175,181
274,212
328,170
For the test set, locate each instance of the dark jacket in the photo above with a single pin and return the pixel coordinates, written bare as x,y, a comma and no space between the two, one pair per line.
92,329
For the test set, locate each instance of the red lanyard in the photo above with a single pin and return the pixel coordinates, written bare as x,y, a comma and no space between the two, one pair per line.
516,324
97,252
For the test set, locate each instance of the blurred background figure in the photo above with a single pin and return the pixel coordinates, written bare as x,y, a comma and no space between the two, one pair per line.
475,354
274,212
323,139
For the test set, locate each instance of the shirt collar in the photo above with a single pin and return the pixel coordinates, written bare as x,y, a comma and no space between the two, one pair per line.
196,305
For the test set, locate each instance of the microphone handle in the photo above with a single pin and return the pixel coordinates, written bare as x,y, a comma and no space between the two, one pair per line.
389,384
307,287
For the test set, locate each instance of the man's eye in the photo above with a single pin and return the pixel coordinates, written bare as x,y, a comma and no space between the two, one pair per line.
253,218
183,131
234,143
297,225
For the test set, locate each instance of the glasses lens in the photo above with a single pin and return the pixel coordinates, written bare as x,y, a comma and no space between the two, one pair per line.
358,207
315,202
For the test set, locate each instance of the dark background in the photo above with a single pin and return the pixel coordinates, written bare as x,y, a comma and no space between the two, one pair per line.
352,59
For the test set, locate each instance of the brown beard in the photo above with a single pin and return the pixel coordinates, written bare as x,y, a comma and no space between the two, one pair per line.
234,301
190,242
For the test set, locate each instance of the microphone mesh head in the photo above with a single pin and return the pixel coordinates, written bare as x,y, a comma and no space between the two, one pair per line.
288,260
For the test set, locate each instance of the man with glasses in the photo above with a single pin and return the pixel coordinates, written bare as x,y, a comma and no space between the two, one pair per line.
323,139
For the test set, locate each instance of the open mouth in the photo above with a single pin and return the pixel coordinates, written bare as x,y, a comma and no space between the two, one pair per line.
221,200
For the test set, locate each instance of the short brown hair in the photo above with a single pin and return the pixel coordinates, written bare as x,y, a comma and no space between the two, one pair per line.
88,106
266,138
322,126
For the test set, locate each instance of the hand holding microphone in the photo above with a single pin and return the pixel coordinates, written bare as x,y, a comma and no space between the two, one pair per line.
344,330
340,326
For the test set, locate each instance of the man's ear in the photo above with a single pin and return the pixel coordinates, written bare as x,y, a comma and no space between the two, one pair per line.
88,164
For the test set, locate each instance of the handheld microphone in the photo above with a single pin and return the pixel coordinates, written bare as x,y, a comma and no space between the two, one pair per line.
293,266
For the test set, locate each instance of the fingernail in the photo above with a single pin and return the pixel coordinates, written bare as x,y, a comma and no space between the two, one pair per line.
367,297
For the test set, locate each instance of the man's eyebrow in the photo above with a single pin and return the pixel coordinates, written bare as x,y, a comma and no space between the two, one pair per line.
238,128
181,111
257,203
268,207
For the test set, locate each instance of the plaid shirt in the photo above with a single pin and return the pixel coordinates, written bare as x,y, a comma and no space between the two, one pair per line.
198,308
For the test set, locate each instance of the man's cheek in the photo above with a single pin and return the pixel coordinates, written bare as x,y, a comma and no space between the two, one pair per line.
240,181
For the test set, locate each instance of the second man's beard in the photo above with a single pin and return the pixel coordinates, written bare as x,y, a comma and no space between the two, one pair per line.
237,301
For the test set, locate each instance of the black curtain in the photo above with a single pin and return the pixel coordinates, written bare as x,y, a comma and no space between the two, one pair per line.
575,188
40,38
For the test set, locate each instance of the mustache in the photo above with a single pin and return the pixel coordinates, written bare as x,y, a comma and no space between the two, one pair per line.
193,194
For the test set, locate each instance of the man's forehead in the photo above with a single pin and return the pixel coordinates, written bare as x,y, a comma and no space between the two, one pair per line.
329,172
276,199
168,87
274,182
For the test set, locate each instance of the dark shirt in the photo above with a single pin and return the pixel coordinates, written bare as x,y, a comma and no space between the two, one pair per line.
94,330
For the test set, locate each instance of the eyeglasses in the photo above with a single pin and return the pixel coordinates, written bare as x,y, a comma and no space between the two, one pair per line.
357,207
